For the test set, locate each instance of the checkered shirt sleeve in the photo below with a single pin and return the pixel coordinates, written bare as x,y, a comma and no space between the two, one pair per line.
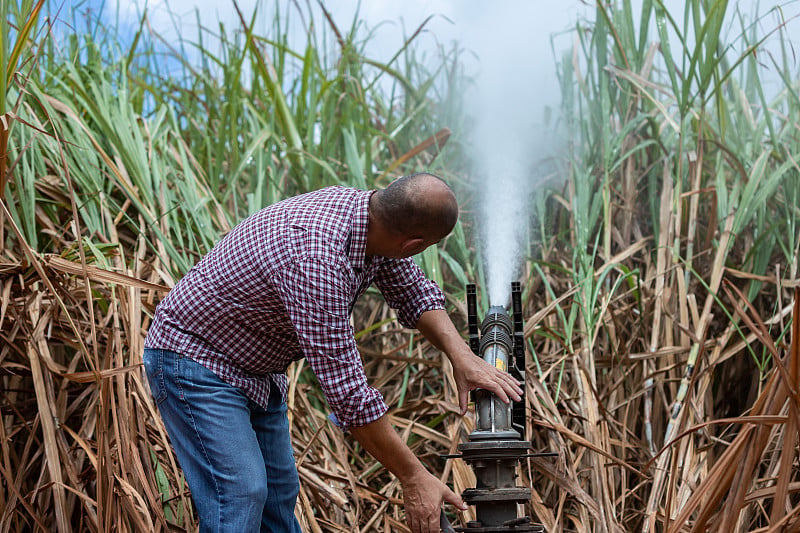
317,299
406,289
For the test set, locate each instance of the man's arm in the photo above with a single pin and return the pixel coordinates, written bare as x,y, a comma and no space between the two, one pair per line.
423,493
471,372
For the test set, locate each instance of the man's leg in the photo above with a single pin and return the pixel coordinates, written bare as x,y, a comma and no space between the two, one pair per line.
208,422
272,430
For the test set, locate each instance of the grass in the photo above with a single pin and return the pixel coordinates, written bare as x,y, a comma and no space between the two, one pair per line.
659,304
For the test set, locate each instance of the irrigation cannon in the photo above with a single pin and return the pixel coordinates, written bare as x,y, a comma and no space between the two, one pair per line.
497,444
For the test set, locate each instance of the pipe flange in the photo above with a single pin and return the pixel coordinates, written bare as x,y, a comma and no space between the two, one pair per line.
509,494
494,449
527,528
509,435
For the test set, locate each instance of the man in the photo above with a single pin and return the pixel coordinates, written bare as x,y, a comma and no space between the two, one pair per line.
279,287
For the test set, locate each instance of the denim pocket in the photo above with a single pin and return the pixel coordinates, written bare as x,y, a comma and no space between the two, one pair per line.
154,368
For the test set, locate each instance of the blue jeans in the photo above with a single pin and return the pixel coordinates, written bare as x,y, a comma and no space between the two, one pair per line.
236,456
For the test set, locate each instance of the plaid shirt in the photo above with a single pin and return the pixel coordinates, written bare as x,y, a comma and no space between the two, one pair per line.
281,286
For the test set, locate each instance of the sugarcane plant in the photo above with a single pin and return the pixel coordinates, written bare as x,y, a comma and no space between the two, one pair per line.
120,170
658,293
681,179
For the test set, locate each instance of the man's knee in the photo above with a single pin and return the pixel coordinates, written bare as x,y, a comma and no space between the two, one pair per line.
253,488
242,503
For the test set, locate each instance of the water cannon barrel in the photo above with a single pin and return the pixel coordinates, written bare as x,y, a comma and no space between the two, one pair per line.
496,446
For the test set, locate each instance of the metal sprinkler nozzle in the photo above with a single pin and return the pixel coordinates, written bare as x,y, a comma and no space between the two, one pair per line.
495,447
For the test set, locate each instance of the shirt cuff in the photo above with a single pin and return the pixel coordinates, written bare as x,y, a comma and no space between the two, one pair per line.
409,315
369,409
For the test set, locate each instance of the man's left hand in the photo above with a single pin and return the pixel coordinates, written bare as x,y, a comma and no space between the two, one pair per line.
471,372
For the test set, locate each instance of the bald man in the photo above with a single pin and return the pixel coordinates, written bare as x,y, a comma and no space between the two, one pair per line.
279,287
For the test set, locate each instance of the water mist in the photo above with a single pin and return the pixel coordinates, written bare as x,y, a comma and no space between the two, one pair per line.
508,101
504,146
504,220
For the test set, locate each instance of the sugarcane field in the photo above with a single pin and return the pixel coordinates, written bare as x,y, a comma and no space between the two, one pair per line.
364,266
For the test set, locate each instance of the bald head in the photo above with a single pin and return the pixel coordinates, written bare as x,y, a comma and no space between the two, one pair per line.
420,205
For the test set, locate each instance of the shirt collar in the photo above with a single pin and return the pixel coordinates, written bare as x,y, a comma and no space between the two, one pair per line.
358,239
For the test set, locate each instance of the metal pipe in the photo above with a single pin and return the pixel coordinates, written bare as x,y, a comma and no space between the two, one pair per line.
495,447
496,347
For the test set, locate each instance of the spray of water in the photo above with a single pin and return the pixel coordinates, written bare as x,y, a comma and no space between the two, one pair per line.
515,83
505,149
504,217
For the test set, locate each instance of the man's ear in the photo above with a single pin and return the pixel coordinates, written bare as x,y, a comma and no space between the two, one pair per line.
411,246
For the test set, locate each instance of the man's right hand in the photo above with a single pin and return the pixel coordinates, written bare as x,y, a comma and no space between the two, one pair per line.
423,495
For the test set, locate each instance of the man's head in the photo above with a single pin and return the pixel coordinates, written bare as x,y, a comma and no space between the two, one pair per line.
409,215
